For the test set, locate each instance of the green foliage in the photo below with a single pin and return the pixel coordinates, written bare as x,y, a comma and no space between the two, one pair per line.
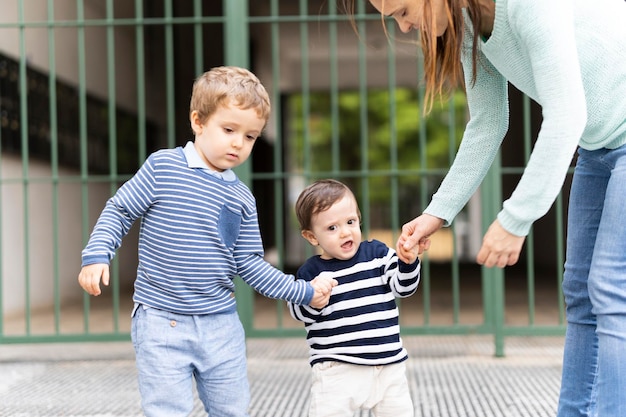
383,132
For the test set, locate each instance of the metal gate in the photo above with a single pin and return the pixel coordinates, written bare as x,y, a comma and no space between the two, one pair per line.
90,88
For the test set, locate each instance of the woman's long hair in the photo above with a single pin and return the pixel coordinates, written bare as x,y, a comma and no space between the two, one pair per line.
443,70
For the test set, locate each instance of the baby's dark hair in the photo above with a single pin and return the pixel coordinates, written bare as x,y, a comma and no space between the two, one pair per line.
318,197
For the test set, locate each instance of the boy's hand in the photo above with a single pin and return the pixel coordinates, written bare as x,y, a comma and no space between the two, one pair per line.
323,288
89,277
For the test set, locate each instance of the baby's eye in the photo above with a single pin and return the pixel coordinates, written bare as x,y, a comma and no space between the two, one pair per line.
228,130
351,221
332,228
251,137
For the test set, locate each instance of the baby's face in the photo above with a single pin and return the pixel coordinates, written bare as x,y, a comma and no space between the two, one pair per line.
338,230
226,139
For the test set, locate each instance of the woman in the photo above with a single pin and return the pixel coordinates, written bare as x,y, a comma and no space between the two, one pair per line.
570,57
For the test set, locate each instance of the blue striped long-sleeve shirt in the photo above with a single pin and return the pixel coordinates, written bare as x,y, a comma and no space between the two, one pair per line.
197,233
360,324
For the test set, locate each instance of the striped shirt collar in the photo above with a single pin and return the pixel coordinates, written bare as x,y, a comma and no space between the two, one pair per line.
194,161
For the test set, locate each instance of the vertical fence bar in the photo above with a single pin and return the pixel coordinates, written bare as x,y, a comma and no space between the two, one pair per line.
363,106
141,81
424,195
305,89
493,278
169,75
197,38
236,42
1,228
278,180
334,90
393,124
236,32
25,161
112,105
456,285
530,240
54,162
82,122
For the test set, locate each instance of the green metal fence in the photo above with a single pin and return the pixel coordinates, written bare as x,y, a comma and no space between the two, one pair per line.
78,122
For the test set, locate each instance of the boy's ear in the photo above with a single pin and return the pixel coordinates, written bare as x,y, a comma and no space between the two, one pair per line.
196,125
308,235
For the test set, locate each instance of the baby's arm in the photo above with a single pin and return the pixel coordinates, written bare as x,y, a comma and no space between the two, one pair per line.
89,277
402,278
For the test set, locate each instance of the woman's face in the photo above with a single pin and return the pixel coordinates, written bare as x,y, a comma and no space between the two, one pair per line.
409,14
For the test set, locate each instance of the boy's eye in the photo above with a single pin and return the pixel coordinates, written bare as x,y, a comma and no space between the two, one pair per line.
251,137
332,228
351,221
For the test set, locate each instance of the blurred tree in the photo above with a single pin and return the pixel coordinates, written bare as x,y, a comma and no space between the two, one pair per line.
393,143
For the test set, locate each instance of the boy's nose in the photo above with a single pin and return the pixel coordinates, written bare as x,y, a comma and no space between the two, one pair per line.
237,141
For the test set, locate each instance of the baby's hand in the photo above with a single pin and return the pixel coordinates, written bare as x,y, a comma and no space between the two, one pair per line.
409,256
323,288
323,284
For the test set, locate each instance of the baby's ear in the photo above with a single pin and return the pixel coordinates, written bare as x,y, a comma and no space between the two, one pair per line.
308,235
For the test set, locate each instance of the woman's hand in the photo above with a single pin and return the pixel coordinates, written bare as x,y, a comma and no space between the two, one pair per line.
417,233
500,248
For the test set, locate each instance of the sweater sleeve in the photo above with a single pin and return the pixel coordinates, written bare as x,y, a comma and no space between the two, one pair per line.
487,100
129,203
260,274
546,29
304,313
401,277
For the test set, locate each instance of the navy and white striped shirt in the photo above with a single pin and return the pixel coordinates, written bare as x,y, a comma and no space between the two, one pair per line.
197,233
360,324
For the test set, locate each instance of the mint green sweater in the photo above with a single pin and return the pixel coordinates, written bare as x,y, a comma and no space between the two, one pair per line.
570,57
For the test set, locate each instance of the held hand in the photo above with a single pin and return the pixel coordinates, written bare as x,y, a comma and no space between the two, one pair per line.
89,277
324,284
416,234
409,256
323,288
500,248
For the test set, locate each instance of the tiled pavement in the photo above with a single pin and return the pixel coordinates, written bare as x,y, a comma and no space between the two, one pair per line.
449,376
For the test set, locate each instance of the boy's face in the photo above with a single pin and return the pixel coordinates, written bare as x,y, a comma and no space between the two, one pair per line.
337,230
226,139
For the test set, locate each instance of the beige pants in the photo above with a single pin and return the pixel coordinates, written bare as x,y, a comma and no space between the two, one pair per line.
340,389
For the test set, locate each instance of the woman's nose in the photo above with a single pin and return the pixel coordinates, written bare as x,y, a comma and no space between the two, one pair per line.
405,27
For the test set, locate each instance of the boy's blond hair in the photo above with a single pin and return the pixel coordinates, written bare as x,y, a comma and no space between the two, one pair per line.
228,85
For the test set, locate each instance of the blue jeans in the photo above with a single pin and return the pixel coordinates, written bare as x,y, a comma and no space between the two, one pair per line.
173,349
594,285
